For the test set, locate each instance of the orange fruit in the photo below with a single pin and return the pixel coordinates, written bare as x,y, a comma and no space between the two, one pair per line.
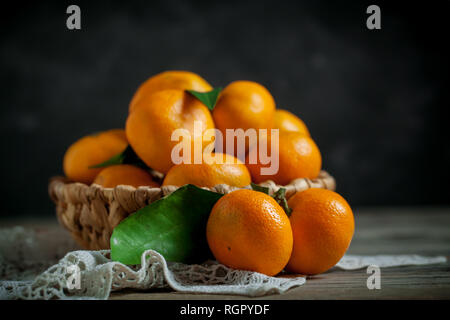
124,174
181,80
248,230
92,150
227,170
150,126
298,157
287,121
322,224
243,105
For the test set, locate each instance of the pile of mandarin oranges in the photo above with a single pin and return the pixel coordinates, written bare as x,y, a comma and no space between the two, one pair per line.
247,229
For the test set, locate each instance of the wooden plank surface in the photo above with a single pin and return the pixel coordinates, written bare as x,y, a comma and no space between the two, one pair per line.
424,231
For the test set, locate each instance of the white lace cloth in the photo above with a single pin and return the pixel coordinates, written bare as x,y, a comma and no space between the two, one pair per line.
98,275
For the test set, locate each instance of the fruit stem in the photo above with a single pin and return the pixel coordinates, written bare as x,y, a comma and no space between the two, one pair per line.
280,197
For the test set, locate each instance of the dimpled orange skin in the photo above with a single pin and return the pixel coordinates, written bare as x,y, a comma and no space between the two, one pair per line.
323,225
243,105
287,121
150,126
92,150
231,172
181,80
248,230
124,174
298,156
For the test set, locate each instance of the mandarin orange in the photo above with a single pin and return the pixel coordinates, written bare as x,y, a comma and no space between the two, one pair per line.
150,126
322,225
92,150
248,230
243,105
298,157
222,169
124,174
287,121
180,80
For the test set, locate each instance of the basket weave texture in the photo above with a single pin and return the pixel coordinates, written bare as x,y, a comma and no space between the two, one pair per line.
90,213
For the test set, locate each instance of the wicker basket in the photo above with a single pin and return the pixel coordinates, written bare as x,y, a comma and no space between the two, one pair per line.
90,213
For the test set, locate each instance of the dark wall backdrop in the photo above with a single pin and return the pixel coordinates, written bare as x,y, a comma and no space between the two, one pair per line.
374,100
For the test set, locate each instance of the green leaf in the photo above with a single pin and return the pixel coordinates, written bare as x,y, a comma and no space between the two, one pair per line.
174,226
128,156
259,188
209,98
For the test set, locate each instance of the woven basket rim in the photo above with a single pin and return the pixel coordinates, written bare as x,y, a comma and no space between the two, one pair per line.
324,178
90,212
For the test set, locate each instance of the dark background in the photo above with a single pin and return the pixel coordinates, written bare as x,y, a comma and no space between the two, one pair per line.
373,100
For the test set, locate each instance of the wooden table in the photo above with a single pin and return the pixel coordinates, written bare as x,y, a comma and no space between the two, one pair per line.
424,231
